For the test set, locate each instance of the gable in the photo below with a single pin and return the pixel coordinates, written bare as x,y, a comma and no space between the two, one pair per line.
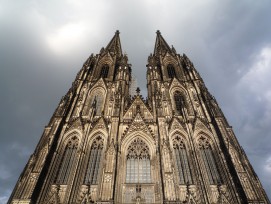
100,125
99,84
199,126
176,126
138,124
138,106
169,59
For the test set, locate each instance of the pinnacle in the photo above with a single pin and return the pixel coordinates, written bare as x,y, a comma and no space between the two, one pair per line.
160,44
114,45
138,90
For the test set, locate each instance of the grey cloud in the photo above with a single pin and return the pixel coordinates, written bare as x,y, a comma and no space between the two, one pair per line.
38,63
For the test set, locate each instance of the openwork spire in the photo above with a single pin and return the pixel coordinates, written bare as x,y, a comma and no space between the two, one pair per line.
114,45
161,45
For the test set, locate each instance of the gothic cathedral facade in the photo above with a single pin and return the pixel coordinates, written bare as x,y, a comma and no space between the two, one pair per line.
104,146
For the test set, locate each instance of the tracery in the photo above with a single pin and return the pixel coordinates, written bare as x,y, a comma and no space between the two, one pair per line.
179,102
67,161
209,162
94,161
138,168
182,162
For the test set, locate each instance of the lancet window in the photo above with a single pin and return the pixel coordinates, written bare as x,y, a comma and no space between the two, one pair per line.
95,102
104,71
171,71
209,161
94,161
179,102
68,161
182,162
138,167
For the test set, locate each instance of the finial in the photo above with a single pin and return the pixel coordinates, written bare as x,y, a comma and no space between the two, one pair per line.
117,32
137,90
158,32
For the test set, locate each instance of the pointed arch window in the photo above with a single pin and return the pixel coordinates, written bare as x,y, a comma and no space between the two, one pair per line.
179,102
138,166
68,160
209,161
171,71
182,162
97,103
104,71
94,161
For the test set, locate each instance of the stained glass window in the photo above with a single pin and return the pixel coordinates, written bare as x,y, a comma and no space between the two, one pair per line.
171,71
209,161
68,161
94,161
182,162
97,102
179,102
138,168
104,71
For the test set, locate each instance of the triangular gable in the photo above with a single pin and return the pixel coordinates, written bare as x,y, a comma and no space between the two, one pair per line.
100,124
106,58
176,125
169,58
76,123
99,83
130,112
199,126
175,83
138,124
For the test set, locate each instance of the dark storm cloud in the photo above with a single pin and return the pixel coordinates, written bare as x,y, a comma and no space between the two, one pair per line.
44,43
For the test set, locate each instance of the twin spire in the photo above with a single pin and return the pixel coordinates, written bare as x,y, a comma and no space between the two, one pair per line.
160,45
115,45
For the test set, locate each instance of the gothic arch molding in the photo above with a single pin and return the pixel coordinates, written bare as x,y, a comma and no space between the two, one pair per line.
146,138
180,132
106,59
97,89
182,135
205,133
97,93
169,59
177,87
91,137
67,136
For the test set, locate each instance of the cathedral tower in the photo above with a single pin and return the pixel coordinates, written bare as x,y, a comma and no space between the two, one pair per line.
103,145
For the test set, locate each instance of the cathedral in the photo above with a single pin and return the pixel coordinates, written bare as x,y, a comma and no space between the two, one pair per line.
104,145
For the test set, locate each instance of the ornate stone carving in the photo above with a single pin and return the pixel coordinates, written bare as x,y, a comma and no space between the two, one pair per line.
172,147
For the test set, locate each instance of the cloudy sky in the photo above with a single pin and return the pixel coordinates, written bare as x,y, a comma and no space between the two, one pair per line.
43,44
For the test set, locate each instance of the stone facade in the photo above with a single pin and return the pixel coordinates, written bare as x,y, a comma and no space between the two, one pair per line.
104,146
